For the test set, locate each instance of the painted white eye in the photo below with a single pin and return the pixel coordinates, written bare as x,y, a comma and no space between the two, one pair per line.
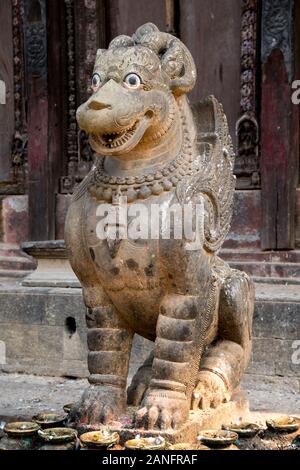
96,81
132,80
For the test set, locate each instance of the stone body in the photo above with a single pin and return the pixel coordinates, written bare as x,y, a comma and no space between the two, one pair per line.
154,148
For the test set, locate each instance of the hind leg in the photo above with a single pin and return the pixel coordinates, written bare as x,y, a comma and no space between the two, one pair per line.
225,361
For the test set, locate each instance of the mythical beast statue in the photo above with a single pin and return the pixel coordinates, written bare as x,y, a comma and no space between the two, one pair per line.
154,148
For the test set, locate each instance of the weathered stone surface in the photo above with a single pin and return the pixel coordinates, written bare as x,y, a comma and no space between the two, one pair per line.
246,221
62,203
19,307
34,327
266,266
157,149
24,395
226,413
279,320
15,219
13,261
36,312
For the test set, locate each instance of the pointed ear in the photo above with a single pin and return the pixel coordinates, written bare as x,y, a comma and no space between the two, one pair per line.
99,55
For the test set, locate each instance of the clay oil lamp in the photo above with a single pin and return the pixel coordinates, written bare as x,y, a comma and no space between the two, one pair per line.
218,438
186,446
58,438
244,429
19,436
21,429
50,420
284,424
102,439
146,443
296,443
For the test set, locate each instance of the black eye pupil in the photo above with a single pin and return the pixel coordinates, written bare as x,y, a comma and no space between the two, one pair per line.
132,80
95,80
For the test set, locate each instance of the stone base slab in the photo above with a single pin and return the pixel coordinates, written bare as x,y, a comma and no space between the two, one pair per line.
236,410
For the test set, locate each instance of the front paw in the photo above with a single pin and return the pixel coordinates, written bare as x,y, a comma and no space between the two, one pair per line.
162,409
209,392
98,405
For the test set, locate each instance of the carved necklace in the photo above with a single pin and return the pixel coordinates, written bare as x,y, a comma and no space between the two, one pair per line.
107,188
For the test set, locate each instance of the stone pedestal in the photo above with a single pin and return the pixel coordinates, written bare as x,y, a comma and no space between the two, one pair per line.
236,410
53,267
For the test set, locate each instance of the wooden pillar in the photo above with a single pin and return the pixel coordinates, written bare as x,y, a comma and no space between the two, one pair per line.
297,74
57,91
44,29
6,90
39,189
279,122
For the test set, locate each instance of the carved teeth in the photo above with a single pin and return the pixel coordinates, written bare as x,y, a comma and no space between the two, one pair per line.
116,139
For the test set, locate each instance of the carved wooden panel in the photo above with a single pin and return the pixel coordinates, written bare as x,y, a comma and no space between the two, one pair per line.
85,23
247,130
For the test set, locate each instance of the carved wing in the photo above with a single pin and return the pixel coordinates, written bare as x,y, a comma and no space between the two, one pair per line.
213,177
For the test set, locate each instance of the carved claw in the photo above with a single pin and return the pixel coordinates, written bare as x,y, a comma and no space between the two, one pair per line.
209,392
162,410
98,405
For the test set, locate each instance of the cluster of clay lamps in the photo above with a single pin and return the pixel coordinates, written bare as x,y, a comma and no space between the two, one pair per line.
47,431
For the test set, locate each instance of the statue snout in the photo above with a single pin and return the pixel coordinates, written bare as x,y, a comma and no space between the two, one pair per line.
97,105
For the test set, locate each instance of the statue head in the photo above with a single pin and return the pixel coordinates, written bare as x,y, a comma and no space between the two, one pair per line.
136,85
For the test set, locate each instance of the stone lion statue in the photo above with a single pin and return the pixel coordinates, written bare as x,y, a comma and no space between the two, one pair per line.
153,147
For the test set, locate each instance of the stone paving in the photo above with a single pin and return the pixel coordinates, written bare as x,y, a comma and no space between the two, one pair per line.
22,396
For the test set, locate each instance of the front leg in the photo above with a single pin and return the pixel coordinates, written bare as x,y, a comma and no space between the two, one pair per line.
109,344
167,403
225,361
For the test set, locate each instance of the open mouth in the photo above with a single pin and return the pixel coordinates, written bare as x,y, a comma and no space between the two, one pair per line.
118,142
116,139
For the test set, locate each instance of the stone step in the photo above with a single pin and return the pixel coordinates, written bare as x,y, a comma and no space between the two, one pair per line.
285,281
290,256
283,265
13,259
14,263
268,269
7,275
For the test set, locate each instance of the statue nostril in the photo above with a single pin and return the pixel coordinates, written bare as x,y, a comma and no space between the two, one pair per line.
149,114
97,105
